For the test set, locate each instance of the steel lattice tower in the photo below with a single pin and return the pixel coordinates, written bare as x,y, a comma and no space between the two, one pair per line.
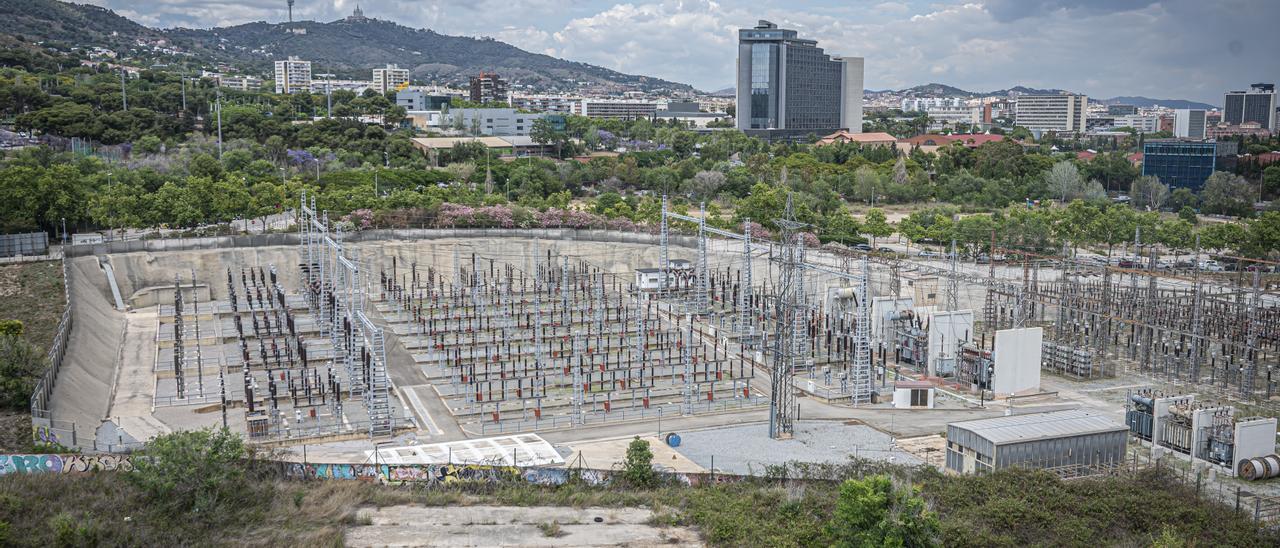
790,307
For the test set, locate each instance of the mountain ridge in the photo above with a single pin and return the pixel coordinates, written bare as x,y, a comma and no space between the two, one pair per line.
348,47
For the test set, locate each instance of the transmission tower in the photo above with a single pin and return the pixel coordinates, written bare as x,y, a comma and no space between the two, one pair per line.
790,309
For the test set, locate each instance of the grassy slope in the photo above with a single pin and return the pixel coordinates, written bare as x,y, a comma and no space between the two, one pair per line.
34,294
1006,509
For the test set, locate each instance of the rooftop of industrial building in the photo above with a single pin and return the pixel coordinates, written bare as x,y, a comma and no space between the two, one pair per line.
1037,426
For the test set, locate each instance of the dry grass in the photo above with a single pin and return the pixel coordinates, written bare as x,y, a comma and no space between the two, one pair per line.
34,294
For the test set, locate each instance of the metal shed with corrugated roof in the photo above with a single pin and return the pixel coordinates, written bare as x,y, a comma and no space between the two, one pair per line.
1074,440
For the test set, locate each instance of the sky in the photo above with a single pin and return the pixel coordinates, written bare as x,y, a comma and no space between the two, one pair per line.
1174,49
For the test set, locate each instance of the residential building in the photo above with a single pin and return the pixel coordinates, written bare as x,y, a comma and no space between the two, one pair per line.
416,99
1247,129
390,78
488,88
611,108
1121,110
1189,123
546,103
293,75
788,87
690,113
1063,113
921,104
1256,105
1179,164
329,85
242,83
1143,124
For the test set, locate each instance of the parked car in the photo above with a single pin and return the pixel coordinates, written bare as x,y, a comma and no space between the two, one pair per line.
928,253
862,247
1127,263
1211,266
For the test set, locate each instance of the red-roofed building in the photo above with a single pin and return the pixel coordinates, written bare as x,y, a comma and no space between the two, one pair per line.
1086,155
1134,158
866,139
1267,158
931,142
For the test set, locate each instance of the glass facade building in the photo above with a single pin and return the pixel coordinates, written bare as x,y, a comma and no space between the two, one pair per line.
789,87
1180,164
1256,105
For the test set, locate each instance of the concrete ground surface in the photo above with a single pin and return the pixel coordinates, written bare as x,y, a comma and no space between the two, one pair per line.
523,526
609,453
748,449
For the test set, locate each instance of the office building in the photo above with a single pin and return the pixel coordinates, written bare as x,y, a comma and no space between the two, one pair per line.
488,88
293,76
1189,123
416,99
1179,164
788,87
486,121
1121,110
390,78
1256,105
242,83
609,108
1064,113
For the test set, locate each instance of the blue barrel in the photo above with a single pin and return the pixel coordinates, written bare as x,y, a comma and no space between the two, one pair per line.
673,439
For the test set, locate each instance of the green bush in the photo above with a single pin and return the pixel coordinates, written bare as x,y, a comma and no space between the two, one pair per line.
199,474
20,366
872,512
12,328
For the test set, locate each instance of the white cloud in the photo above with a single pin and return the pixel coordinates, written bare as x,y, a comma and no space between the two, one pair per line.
1170,49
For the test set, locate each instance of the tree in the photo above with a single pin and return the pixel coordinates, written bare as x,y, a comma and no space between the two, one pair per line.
1271,180
1183,198
706,184
1227,194
1147,192
1064,181
1263,239
1189,215
871,512
876,225
637,466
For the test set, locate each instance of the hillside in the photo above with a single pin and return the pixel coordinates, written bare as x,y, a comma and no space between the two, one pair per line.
1145,102
348,47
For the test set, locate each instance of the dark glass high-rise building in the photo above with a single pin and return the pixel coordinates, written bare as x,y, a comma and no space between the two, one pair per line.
789,87
1256,105
1180,164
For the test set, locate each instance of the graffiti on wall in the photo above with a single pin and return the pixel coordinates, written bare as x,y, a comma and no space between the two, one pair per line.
63,464
430,474
44,434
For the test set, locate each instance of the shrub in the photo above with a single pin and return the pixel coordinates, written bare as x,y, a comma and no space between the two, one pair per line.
20,365
872,512
198,473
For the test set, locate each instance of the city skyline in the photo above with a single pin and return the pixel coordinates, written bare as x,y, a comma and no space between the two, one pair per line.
1178,49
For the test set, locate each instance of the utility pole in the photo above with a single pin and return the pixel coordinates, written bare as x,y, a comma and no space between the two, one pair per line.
219,125
124,92
184,95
